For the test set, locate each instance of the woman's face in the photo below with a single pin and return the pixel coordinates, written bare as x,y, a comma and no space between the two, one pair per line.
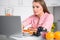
37,8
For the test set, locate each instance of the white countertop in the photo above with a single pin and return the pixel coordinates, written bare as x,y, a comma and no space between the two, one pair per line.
19,37
4,37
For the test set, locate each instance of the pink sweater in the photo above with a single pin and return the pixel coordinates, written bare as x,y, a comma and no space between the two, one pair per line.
45,21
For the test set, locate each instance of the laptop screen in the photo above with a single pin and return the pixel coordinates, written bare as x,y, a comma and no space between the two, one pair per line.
10,25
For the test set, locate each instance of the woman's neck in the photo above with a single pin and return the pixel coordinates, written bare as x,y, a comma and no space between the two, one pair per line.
41,14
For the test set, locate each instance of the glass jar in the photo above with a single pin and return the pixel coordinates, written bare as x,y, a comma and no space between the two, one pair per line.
9,11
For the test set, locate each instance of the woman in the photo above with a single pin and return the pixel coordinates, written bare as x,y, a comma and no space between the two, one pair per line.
41,17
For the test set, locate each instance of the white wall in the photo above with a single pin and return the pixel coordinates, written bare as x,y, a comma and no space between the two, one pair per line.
50,9
24,12
7,3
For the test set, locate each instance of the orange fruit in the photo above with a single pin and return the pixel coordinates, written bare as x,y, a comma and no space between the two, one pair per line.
57,34
49,35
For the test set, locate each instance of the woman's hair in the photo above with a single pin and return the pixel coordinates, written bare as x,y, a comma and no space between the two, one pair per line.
42,2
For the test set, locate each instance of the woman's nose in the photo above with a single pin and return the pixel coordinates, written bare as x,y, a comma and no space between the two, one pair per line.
34,9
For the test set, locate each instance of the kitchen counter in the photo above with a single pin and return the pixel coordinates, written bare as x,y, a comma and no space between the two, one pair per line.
7,39
3,37
28,37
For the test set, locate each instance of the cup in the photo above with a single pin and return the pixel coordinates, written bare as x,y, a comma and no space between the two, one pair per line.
9,11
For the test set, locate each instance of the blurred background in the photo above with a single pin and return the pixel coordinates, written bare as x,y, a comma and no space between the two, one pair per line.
24,9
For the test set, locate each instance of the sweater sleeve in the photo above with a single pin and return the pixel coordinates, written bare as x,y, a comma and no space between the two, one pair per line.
27,21
48,22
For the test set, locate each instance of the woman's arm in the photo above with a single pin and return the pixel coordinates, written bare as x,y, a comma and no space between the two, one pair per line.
48,22
27,21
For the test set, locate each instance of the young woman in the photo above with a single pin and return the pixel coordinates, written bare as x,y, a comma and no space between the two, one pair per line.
41,17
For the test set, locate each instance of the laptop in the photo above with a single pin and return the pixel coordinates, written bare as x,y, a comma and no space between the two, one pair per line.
10,25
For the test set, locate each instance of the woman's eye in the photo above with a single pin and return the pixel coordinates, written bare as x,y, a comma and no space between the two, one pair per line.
37,6
33,7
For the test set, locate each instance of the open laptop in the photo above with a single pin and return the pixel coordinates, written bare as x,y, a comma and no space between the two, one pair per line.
10,25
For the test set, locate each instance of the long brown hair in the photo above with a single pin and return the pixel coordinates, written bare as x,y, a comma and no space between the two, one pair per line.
42,2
